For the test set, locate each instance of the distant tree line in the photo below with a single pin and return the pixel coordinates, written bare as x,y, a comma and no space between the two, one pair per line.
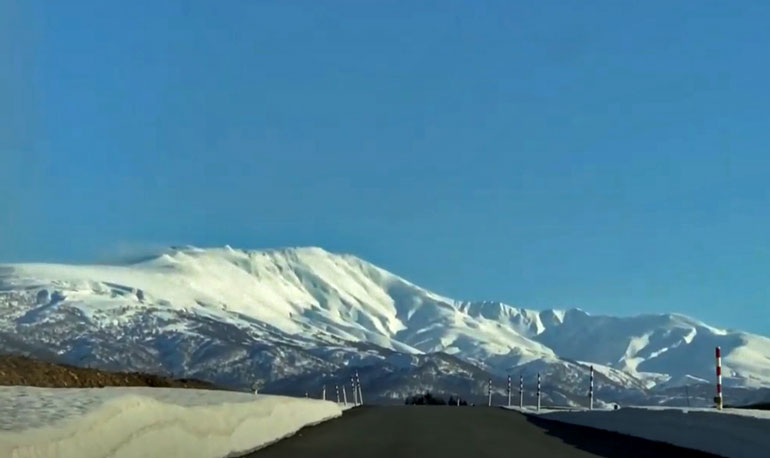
428,399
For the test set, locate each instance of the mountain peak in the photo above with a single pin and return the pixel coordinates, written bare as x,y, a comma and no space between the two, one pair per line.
310,297
229,250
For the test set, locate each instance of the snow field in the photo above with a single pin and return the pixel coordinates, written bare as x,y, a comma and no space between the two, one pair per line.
731,432
138,422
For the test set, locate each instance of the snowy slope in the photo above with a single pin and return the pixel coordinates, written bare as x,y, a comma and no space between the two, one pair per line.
132,422
669,344
242,316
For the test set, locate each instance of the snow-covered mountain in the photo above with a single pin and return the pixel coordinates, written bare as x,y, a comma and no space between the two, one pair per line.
290,318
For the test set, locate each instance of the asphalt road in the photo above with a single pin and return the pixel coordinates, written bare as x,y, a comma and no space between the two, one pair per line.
448,432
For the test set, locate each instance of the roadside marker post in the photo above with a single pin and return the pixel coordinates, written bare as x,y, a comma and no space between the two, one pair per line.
344,396
360,392
337,390
355,391
489,393
718,399
521,391
591,390
323,393
509,390
538,391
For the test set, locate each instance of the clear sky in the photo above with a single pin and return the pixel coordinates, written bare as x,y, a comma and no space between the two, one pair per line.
606,155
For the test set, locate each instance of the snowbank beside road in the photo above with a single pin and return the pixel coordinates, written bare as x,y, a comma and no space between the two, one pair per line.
732,432
136,422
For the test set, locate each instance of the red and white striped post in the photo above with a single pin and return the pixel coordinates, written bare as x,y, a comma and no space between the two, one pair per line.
718,397
591,391
521,391
509,391
489,393
538,391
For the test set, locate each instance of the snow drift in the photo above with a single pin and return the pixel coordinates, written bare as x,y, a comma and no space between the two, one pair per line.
733,432
135,422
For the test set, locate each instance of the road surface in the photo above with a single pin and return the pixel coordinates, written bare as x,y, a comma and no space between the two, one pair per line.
466,432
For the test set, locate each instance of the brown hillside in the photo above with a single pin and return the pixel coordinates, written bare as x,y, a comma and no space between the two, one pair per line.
19,370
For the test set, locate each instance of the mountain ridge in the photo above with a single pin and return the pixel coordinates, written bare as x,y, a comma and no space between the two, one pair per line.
315,300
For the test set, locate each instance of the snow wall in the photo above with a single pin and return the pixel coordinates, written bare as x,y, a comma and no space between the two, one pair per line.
732,432
141,422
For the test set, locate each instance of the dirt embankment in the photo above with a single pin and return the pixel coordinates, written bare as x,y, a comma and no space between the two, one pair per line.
19,370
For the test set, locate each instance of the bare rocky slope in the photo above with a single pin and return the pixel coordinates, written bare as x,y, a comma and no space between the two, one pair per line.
20,370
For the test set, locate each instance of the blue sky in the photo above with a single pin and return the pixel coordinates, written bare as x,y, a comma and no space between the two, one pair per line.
606,155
